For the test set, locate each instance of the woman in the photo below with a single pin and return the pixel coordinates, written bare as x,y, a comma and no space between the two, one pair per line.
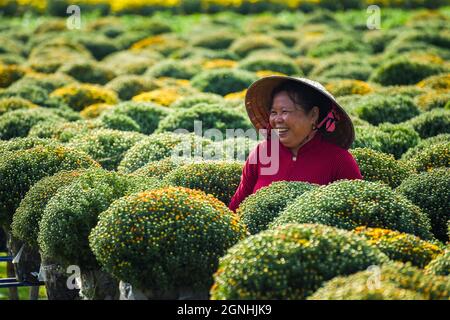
308,136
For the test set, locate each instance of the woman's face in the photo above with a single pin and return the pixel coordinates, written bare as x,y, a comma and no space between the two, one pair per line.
291,123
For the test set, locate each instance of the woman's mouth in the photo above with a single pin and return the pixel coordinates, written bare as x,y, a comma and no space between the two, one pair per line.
282,132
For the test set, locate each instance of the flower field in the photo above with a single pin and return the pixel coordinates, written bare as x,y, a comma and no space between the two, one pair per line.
104,169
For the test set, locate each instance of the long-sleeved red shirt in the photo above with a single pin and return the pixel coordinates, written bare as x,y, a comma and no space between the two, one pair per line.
317,161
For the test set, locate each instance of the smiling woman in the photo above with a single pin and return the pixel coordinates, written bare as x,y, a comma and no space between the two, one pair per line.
308,135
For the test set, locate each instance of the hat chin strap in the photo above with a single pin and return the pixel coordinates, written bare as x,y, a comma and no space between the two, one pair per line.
329,121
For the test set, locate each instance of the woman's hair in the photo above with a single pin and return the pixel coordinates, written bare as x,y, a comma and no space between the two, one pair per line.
303,97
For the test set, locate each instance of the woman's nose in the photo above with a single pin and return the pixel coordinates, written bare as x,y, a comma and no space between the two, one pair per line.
279,118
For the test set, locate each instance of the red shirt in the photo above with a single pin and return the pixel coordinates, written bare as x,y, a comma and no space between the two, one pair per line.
317,161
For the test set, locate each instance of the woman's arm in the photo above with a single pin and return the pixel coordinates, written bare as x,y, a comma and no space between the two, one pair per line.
248,181
346,167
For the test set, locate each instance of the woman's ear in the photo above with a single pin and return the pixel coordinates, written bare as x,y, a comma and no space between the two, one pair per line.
315,111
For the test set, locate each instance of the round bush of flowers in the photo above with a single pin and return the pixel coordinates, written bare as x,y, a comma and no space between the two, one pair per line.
348,87
128,86
34,94
236,148
368,136
15,103
19,170
146,114
190,101
440,265
88,72
431,123
159,169
431,157
348,204
215,40
165,239
48,82
281,64
25,223
72,212
106,146
9,74
17,144
377,109
437,82
432,100
399,139
118,122
335,42
378,166
380,283
79,96
219,178
62,131
405,70
223,81
19,122
401,246
166,95
212,116
430,191
95,110
242,46
160,146
288,262
258,210
423,144
172,69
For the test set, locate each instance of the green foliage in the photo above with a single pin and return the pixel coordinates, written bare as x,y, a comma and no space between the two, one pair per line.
106,146
244,45
147,115
15,103
173,69
218,178
160,146
258,210
88,72
400,246
71,214
190,101
223,81
215,40
431,123
431,157
399,139
212,116
19,170
398,281
377,109
423,144
377,166
348,204
177,246
18,123
441,265
273,63
403,70
128,86
62,131
429,191
287,262
25,223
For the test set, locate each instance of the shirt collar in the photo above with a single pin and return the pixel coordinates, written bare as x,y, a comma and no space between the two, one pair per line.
316,140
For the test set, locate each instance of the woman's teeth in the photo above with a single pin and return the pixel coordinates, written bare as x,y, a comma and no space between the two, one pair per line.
282,130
